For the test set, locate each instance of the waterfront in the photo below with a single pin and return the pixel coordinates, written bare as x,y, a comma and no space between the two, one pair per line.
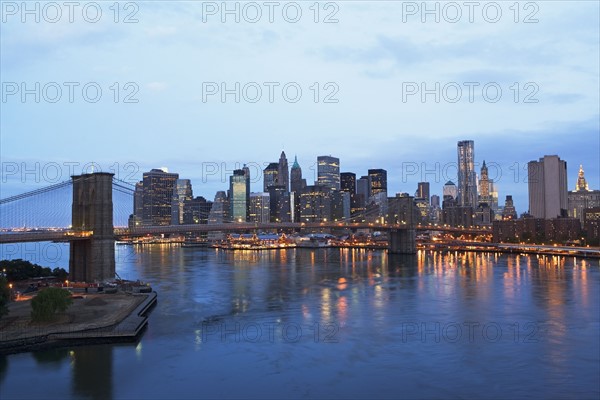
339,323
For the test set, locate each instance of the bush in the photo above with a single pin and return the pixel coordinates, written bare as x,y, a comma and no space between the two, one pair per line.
4,296
48,302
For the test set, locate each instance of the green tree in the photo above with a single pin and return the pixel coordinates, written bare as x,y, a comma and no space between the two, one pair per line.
48,302
4,296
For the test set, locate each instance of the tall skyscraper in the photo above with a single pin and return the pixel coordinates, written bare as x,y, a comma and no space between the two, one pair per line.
158,187
328,172
283,173
181,194
378,179
238,195
582,198
467,179
547,180
279,199
315,204
270,176
296,181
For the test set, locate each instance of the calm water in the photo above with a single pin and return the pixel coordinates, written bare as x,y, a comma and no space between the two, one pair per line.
339,323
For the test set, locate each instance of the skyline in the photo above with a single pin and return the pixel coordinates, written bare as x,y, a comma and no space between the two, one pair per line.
371,53
15,178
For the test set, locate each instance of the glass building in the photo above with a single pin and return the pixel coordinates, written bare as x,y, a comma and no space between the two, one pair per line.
238,195
328,172
181,194
270,176
467,178
260,208
157,197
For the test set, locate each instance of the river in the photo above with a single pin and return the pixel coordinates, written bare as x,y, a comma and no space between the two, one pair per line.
327,323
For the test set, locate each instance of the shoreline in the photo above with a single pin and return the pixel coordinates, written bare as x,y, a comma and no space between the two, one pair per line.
125,328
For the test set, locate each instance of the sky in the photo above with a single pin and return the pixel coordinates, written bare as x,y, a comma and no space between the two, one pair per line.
378,84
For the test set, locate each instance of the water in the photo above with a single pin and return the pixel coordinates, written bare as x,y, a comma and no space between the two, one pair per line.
339,323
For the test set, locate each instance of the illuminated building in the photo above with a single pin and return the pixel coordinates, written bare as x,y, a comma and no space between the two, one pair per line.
328,172
423,191
340,206
315,204
238,194
547,179
484,186
157,196
378,178
260,208
582,197
219,214
467,185
279,204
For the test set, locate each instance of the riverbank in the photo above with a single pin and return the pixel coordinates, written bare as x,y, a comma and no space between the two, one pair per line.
91,319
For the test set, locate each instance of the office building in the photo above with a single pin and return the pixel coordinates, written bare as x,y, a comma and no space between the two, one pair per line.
467,178
378,178
260,208
270,176
157,197
547,179
328,172
238,196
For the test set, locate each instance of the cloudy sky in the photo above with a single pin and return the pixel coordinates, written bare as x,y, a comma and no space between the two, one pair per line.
379,84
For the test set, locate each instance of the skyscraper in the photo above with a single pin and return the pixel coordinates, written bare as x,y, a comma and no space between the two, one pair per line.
181,194
547,180
378,179
296,181
270,176
283,173
157,196
348,184
260,208
238,194
467,185
328,172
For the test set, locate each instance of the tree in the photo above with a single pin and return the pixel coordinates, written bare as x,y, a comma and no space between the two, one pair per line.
4,296
48,302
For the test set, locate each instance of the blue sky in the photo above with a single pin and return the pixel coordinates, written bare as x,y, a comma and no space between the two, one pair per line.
370,57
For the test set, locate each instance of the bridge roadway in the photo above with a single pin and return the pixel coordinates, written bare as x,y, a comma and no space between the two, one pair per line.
121,233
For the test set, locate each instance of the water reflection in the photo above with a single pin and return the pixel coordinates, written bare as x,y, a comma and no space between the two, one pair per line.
547,309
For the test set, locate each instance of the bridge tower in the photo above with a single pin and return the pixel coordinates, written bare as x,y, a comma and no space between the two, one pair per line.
404,240
93,260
